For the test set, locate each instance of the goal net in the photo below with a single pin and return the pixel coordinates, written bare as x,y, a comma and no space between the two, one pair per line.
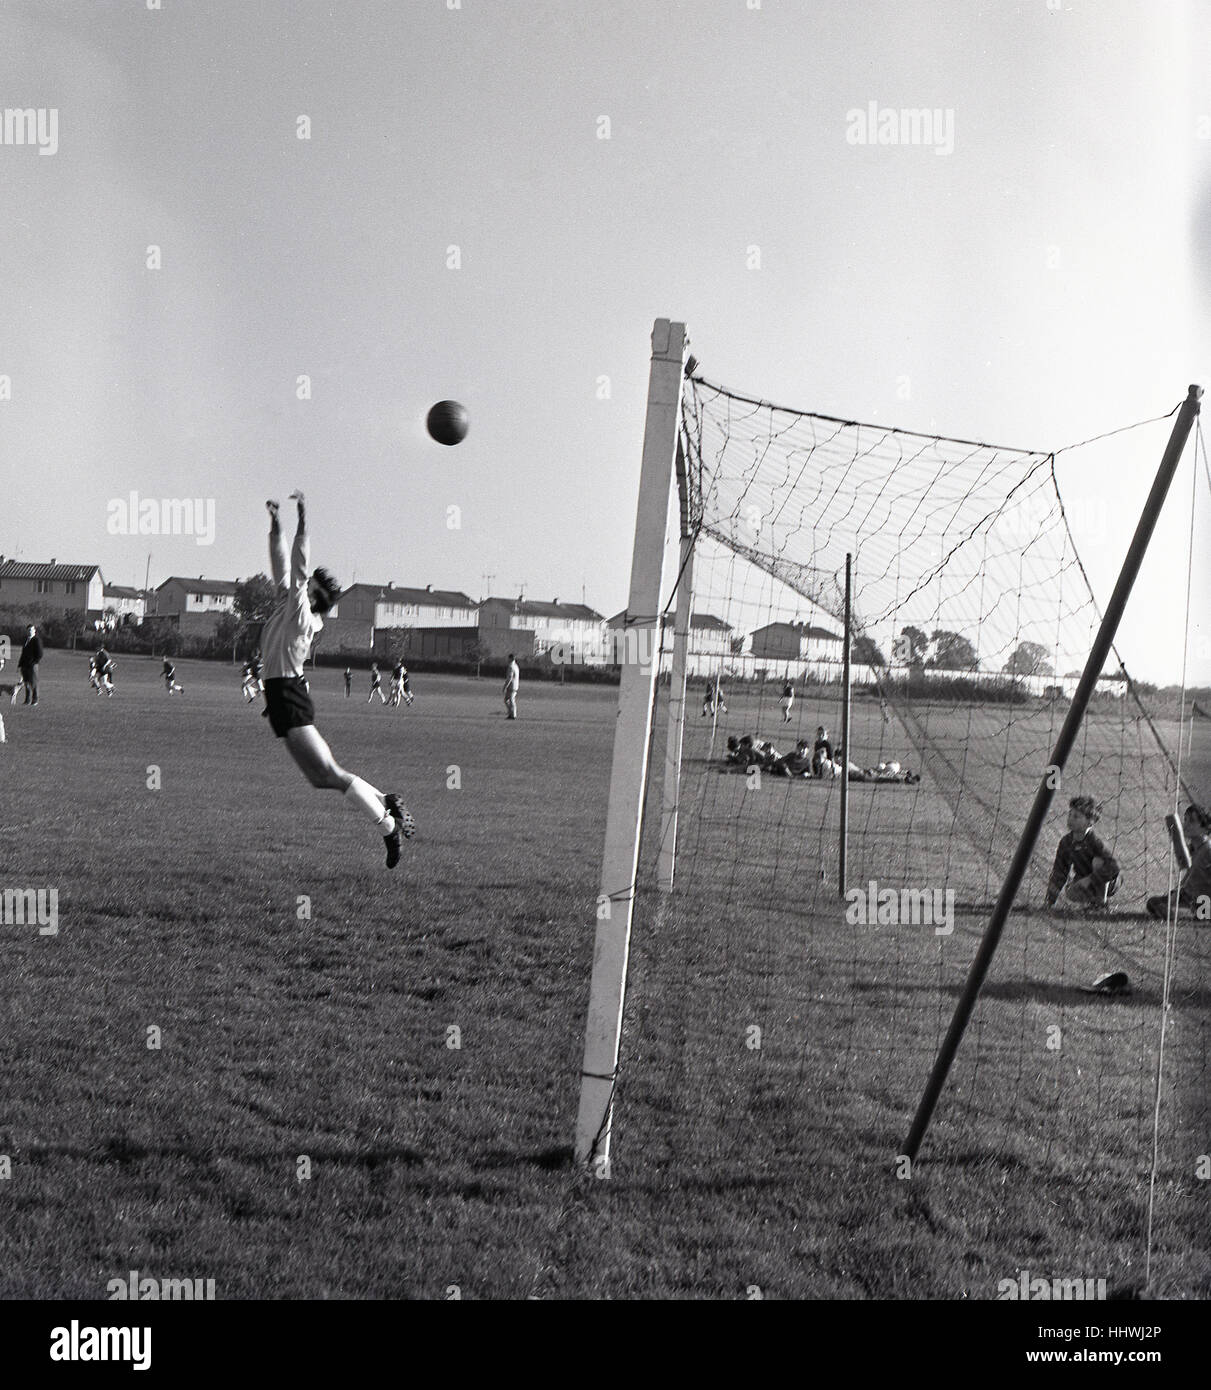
780,1023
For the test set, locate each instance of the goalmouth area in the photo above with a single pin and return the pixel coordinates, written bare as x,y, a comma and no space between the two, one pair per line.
779,1019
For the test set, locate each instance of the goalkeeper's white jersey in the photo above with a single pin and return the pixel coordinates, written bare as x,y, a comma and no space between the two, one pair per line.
291,627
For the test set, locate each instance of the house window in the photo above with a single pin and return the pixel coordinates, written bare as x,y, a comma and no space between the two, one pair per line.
44,586
69,587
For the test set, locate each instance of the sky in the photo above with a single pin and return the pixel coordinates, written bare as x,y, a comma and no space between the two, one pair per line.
1039,276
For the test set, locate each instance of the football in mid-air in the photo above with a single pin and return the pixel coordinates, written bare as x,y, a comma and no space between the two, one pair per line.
447,422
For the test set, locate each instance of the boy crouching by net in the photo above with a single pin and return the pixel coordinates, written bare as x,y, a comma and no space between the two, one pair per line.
1083,858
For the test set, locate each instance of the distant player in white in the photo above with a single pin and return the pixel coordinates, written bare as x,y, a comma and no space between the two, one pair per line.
401,685
252,685
169,676
512,681
787,702
286,642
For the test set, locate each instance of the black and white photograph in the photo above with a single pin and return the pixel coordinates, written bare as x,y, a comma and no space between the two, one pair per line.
605,666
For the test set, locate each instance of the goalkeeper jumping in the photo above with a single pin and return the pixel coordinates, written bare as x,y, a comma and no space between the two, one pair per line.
286,641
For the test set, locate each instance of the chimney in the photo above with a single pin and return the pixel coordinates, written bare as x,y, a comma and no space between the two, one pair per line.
555,601
428,588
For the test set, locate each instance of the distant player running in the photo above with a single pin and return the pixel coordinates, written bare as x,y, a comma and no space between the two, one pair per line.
787,702
169,676
712,699
376,684
287,639
509,691
252,684
101,672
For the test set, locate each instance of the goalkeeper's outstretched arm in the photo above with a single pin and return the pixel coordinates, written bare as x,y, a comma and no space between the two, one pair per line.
300,557
277,546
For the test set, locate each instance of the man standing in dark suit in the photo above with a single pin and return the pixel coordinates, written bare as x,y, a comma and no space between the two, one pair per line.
31,655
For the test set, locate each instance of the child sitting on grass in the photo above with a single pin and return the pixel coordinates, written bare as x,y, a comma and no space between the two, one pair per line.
797,763
1082,855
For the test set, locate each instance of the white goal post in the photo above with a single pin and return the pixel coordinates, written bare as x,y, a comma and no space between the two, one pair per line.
628,777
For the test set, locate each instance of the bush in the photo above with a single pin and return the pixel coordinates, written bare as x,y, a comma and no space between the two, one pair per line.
962,689
56,628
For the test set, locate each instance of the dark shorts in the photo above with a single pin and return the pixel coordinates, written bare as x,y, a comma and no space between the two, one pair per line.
288,704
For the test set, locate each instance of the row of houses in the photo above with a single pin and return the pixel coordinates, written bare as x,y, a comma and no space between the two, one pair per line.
440,623
81,591
386,619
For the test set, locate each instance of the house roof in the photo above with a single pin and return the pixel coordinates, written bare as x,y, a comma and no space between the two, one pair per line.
445,598
701,621
399,593
121,591
16,569
532,608
200,586
801,630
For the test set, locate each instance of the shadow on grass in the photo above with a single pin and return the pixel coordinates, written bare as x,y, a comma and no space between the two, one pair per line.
550,1160
123,1149
1020,909
1038,991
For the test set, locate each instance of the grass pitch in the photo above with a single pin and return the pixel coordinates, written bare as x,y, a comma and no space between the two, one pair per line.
366,1081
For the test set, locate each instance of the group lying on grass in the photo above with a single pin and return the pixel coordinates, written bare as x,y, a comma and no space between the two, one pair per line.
810,760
